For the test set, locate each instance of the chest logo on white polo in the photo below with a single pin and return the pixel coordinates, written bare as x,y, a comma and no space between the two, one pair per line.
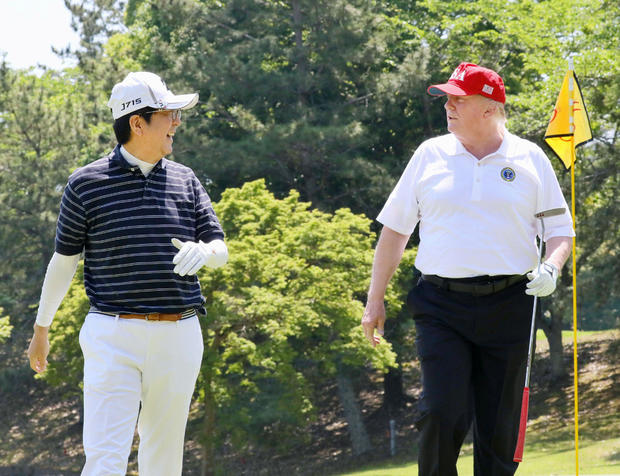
508,174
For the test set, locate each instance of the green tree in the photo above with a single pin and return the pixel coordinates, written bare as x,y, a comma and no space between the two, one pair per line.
293,284
66,363
44,135
96,21
5,327
528,42
329,98
309,95
282,321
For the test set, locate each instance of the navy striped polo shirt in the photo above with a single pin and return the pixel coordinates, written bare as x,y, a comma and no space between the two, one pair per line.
124,222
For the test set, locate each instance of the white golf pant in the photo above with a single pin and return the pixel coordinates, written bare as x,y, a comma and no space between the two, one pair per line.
137,370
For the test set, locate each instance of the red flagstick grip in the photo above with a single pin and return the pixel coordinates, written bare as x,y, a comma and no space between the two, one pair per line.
518,457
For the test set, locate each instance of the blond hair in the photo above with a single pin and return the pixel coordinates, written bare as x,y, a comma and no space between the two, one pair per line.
500,111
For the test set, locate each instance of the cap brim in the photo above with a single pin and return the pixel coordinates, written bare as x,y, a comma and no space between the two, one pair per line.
181,101
447,88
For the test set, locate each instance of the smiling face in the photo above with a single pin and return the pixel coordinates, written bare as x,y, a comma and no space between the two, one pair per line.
152,140
160,132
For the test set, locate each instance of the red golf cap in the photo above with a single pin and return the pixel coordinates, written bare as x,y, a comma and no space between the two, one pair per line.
469,79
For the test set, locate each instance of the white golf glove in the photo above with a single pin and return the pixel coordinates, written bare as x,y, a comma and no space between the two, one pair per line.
543,281
192,256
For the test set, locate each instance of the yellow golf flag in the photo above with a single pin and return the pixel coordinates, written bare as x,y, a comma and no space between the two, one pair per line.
559,135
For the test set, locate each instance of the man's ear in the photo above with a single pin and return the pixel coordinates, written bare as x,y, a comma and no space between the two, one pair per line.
490,109
136,123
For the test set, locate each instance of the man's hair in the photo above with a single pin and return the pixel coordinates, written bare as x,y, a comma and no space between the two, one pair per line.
122,129
499,109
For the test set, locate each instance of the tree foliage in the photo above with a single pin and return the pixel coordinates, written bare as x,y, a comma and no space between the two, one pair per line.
324,97
282,317
5,327
529,42
306,94
329,97
44,134
66,362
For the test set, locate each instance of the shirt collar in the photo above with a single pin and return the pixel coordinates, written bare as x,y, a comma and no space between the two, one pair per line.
504,147
133,160
118,156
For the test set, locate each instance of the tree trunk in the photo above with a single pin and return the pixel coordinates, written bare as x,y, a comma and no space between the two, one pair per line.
552,327
360,441
209,434
300,54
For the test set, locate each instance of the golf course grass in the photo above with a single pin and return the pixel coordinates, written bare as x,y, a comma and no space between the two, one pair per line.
599,457
549,443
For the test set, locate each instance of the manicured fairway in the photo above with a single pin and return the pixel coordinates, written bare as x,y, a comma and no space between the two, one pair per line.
600,457
549,445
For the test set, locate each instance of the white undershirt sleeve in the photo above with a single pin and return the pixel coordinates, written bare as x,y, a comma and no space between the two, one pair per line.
60,271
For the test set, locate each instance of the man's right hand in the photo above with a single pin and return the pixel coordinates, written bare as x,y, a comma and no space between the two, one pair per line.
38,349
374,318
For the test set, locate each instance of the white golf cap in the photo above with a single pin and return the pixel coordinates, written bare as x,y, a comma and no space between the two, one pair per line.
143,89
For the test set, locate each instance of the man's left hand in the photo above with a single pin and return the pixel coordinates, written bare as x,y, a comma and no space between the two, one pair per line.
542,280
192,256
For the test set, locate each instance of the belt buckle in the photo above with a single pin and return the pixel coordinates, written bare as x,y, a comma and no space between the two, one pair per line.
154,316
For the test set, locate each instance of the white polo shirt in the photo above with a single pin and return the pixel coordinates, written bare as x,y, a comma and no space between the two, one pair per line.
476,216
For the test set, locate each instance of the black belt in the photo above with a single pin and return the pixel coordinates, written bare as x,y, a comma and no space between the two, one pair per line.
478,287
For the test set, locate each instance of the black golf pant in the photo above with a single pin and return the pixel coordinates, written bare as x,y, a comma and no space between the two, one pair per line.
473,354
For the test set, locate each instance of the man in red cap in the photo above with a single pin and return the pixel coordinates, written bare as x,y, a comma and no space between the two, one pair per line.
474,193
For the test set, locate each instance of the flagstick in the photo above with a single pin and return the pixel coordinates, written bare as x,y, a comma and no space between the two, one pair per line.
572,179
572,185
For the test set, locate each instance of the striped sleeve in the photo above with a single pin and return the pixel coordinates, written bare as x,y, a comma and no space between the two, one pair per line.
71,226
208,227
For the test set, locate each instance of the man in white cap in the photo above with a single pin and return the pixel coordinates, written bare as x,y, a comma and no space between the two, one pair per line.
474,193
146,226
